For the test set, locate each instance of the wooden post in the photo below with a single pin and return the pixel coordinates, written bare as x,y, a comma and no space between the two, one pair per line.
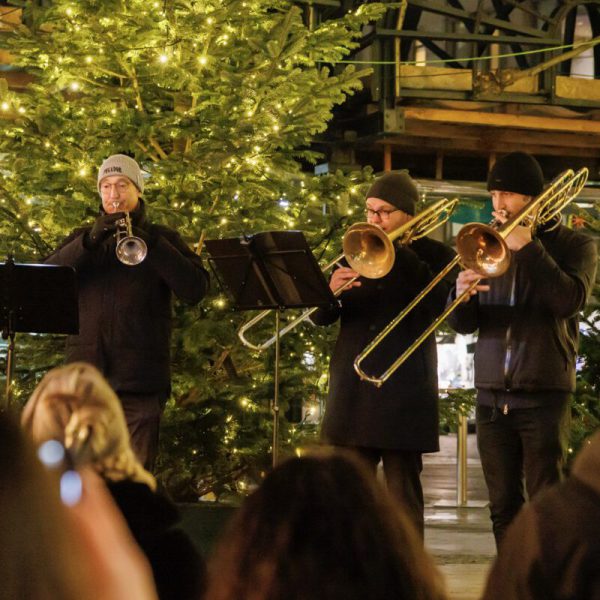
387,157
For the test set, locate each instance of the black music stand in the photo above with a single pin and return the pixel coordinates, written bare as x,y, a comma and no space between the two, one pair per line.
35,299
270,270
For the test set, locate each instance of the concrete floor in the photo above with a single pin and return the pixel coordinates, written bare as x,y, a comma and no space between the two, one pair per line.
459,538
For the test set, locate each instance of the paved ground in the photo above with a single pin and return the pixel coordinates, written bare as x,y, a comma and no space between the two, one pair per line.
460,538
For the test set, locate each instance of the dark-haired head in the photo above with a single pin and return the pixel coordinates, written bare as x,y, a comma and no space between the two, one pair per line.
321,528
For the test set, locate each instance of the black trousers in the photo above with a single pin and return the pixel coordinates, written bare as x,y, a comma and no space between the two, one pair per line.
402,470
526,442
143,413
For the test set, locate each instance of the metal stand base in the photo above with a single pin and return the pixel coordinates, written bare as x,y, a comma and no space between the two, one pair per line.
468,504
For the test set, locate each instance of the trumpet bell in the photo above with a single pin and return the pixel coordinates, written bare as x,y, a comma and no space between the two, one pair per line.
482,249
131,250
368,250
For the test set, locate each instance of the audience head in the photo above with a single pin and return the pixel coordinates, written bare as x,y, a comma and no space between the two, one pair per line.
75,405
39,553
320,526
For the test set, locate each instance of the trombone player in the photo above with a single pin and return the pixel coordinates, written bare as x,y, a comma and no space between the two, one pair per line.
125,310
398,421
527,323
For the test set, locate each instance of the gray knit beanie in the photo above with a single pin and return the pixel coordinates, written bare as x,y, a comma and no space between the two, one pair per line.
396,188
120,164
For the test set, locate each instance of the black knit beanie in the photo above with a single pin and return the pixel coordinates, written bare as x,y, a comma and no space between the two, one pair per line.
516,172
397,189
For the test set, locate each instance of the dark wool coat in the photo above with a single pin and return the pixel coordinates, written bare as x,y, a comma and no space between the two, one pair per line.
552,549
528,321
178,567
402,414
125,311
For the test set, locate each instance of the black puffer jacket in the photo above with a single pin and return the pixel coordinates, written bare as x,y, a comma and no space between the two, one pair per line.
528,321
402,414
125,311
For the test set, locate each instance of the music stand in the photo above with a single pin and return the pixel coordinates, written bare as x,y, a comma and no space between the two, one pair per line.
35,299
270,270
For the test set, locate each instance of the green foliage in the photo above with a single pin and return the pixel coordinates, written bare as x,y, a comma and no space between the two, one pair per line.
219,102
585,413
453,405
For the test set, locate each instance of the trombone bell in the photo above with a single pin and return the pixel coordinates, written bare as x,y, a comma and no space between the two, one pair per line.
368,250
482,249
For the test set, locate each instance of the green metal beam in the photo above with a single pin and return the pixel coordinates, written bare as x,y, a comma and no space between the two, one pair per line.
467,37
333,3
434,7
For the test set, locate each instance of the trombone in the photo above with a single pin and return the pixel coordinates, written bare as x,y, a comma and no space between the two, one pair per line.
483,249
370,252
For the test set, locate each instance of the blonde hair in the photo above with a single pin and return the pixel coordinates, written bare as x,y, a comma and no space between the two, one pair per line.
75,405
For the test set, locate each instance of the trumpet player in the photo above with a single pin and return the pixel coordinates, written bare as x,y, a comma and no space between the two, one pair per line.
398,421
527,323
124,310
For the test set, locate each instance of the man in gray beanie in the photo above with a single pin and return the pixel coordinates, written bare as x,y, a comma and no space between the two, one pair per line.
527,323
398,421
124,310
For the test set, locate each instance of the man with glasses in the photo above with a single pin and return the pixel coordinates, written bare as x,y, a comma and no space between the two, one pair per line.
125,311
397,422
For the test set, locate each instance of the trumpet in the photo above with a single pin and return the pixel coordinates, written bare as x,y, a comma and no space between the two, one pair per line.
130,250
483,249
370,252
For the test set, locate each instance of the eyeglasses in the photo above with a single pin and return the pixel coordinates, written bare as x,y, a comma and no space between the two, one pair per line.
382,213
121,187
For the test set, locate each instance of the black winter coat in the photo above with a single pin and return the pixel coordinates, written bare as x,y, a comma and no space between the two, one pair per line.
528,321
125,311
402,414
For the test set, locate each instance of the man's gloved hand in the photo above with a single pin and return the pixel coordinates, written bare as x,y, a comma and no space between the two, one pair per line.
104,226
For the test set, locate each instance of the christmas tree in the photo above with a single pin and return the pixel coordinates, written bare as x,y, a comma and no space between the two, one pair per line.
219,102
